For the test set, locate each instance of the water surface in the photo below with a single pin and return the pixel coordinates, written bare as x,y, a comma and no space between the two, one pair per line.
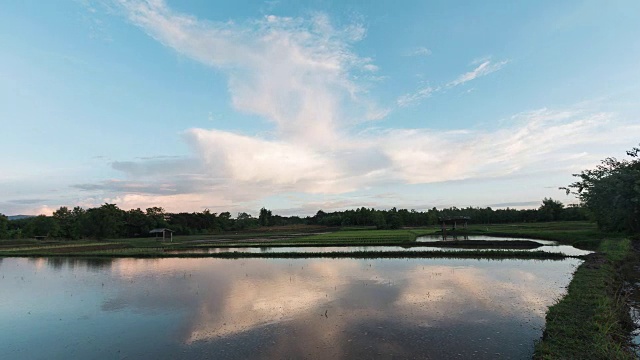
430,244
275,308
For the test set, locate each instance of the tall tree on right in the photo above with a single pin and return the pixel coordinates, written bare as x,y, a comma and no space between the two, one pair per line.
611,192
265,217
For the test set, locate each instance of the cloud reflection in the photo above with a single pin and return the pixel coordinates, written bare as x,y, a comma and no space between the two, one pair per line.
321,300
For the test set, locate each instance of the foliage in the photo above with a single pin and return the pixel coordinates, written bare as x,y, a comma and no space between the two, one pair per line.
3,226
104,222
245,221
265,217
109,222
43,226
611,192
550,210
69,222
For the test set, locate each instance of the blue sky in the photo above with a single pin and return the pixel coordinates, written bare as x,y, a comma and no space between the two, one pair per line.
300,106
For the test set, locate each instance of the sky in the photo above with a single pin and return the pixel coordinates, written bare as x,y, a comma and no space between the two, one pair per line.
300,106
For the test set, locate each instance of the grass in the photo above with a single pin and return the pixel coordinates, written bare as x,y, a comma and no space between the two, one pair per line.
592,320
366,236
581,234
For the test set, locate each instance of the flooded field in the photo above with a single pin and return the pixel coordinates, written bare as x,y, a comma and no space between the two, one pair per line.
547,245
438,238
274,308
423,243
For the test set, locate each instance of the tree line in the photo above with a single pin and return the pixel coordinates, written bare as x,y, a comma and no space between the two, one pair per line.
608,194
109,221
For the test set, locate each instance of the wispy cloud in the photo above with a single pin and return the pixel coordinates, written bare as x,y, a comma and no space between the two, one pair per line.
515,204
485,68
27,201
416,97
418,51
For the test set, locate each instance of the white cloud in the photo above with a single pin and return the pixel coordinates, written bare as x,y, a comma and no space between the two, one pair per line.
416,97
486,67
298,74
532,142
238,170
294,72
418,51
252,160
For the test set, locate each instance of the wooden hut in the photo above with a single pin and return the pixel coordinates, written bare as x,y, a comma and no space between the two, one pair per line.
454,221
166,233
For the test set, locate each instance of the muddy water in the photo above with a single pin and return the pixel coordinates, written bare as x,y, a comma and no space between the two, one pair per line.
274,309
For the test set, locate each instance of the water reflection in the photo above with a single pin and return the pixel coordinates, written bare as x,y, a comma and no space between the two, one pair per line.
58,263
423,243
267,308
444,237
564,249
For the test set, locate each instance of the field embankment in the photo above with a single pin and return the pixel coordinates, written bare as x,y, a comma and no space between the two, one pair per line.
592,321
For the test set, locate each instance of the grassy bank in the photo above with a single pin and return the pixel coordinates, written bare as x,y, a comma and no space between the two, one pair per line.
371,236
592,320
144,246
581,234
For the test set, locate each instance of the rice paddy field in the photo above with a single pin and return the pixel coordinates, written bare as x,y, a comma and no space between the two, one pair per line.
392,296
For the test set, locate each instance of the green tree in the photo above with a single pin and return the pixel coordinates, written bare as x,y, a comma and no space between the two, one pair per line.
432,216
225,221
394,219
104,222
43,225
378,220
550,210
211,222
611,192
156,217
4,224
265,217
69,222
63,217
137,223
245,221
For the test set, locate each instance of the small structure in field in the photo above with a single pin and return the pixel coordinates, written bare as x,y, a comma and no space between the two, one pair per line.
454,221
166,233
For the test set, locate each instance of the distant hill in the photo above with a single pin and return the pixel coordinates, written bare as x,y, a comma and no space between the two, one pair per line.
19,217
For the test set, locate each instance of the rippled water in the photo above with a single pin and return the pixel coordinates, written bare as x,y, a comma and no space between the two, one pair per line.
271,308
